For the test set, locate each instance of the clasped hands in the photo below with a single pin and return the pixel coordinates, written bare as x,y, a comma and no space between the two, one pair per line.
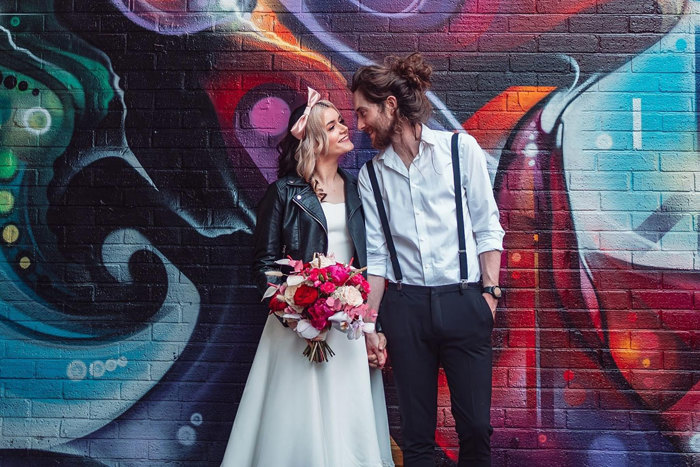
376,349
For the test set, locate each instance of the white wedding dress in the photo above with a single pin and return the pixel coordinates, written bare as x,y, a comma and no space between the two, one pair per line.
296,413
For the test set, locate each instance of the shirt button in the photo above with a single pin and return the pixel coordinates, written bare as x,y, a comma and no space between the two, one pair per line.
298,196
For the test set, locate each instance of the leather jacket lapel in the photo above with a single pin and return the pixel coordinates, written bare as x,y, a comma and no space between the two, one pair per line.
308,201
352,198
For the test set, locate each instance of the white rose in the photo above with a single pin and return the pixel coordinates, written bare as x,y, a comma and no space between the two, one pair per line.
348,295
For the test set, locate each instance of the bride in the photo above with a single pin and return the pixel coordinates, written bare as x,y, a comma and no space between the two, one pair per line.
296,413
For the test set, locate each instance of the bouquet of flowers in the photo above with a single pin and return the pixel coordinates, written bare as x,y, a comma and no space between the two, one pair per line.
318,295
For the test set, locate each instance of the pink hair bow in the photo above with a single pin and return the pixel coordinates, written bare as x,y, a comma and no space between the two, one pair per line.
299,128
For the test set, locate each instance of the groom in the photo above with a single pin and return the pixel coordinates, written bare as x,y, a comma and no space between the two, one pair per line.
442,293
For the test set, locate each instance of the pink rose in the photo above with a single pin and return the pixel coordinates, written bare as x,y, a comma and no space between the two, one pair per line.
356,279
327,288
338,274
319,313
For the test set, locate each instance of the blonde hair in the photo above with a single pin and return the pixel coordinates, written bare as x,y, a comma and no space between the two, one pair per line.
313,144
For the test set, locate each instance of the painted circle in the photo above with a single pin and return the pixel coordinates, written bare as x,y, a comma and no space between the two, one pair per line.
531,149
76,370
111,364
10,82
10,234
186,435
37,120
35,92
97,368
196,419
23,86
604,141
270,115
7,202
8,164
574,395
122,361
25,262
14,22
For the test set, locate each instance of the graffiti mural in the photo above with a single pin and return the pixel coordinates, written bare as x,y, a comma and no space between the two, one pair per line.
136,138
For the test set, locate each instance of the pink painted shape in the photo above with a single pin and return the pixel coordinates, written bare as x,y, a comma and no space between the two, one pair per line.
270,116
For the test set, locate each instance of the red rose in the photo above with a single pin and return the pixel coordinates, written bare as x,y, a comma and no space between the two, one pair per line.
305,295
276,304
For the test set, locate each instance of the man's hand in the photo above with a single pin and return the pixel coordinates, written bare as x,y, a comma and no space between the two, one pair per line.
492,302
376,349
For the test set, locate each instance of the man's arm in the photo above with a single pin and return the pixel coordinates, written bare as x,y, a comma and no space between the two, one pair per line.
376,266
375,342
484,215
490,268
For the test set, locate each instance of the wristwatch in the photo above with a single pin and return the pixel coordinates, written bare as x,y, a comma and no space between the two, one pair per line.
494,290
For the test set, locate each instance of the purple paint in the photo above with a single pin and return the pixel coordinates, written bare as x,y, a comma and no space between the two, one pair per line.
270,116
175,18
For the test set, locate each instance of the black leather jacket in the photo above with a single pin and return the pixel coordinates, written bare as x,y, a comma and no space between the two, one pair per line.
290,222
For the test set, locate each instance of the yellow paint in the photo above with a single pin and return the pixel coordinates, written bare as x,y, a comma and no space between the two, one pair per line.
10,233
25,262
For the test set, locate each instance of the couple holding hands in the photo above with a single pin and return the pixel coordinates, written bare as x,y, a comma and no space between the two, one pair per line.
423,220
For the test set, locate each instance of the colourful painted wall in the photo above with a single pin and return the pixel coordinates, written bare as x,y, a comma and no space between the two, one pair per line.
137,136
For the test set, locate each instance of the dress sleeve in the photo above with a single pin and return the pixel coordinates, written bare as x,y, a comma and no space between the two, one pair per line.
377,252
483,210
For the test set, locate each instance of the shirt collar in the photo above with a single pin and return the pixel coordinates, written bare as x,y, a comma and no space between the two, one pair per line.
427,136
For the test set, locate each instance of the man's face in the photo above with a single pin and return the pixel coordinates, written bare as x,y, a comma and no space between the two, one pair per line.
374,120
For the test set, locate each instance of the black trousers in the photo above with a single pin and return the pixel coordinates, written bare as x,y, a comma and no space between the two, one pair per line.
427,327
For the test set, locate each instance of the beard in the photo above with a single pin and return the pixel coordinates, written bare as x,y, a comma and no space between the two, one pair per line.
383,132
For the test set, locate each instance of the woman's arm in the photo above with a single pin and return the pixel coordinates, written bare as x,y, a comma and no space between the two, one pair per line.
268,237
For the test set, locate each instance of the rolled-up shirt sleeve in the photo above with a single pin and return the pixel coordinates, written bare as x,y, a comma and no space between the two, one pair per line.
377,253
483,210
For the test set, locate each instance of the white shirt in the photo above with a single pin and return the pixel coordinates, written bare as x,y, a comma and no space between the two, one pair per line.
420,207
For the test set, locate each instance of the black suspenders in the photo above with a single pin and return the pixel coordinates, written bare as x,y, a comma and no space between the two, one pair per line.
463,271
385,224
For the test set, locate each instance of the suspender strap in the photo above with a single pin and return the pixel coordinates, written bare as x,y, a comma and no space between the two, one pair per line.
385,224
463,272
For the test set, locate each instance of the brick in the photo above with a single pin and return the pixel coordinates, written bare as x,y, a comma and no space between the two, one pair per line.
655,182
665,300
599,24
567,43
388,42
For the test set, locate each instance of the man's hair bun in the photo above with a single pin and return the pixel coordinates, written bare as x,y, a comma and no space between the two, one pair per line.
412,68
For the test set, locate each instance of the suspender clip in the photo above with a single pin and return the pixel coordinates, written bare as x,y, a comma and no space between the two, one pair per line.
463,285
398,285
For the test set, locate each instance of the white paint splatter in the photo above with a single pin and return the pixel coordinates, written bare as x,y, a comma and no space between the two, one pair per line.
186,435
604,141
76,370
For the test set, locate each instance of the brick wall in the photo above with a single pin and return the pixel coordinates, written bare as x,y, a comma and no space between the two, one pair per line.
136,138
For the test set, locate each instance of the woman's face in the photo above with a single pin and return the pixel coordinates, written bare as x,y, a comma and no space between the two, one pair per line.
338,135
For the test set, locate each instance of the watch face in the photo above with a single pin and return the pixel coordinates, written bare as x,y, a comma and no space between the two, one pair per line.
496,291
